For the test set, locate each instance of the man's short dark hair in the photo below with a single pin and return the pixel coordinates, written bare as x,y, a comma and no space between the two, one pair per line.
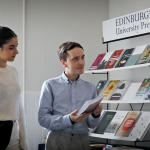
63,48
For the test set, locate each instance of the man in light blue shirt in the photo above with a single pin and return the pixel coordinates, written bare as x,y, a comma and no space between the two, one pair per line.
62,97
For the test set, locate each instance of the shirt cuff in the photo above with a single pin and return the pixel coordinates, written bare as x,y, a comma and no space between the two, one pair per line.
92,118
66,121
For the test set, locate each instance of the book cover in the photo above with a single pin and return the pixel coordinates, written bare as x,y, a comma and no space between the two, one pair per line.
115,123
114,59
105,60
143,91
145,56
141,126
90,105
128,123
109,89
106,119
136,55
147,96
120,90
97,61
124,58
101,86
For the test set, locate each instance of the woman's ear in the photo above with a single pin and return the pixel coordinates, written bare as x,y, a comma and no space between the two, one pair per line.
63,63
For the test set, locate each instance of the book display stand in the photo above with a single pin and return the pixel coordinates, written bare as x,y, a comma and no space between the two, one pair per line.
128,98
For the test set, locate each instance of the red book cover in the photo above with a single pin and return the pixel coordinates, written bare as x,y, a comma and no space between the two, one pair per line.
114,59
97,61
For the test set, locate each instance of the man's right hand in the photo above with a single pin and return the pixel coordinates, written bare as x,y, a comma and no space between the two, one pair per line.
80,118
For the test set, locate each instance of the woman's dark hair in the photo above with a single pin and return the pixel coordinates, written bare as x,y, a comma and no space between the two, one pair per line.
67,46
5,35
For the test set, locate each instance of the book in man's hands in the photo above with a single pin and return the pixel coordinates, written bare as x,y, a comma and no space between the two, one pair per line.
90,105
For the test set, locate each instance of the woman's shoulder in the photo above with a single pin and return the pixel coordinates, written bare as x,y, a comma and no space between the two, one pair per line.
12,68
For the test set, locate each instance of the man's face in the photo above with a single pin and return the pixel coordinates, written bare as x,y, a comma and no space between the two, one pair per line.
75,62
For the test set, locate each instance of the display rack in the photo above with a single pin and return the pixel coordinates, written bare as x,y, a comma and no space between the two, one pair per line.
127,98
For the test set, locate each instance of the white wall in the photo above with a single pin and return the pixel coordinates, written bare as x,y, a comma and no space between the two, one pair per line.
11,16
118,8
48,24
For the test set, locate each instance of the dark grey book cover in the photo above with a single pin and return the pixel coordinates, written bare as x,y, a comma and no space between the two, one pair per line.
107,117
136,55
124,58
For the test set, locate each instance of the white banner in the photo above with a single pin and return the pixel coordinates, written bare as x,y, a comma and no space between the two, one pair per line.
133,24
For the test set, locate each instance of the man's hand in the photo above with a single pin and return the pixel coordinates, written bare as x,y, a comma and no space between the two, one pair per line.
97,111
80,118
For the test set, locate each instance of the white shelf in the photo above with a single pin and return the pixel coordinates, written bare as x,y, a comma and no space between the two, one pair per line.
112,137
129,95
117,69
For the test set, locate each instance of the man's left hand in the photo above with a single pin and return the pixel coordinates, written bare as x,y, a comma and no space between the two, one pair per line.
97,111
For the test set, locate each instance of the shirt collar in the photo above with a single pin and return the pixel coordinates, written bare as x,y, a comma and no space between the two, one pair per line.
67,79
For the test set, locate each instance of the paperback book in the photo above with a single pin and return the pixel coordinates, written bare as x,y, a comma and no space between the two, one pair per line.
105,60
145,56
114,59
128,123
109,89
97,61
124,58
142,126
136,55
120,90
143,92
90,105
106,119
115,123
101,86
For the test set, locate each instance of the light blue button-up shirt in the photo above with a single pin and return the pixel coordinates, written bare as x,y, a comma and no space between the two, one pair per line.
59,97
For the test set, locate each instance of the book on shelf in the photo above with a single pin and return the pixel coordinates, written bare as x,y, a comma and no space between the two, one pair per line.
101,86
109,89
120,90
143,92
90,105
142,126
128,123
114,59
124,58
145,56
97,61
104,122
136,55
115,123
105,60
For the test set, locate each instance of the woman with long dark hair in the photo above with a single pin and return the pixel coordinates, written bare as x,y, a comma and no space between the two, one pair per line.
12,116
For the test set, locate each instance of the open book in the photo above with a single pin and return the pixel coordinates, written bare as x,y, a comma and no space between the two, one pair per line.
90,105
